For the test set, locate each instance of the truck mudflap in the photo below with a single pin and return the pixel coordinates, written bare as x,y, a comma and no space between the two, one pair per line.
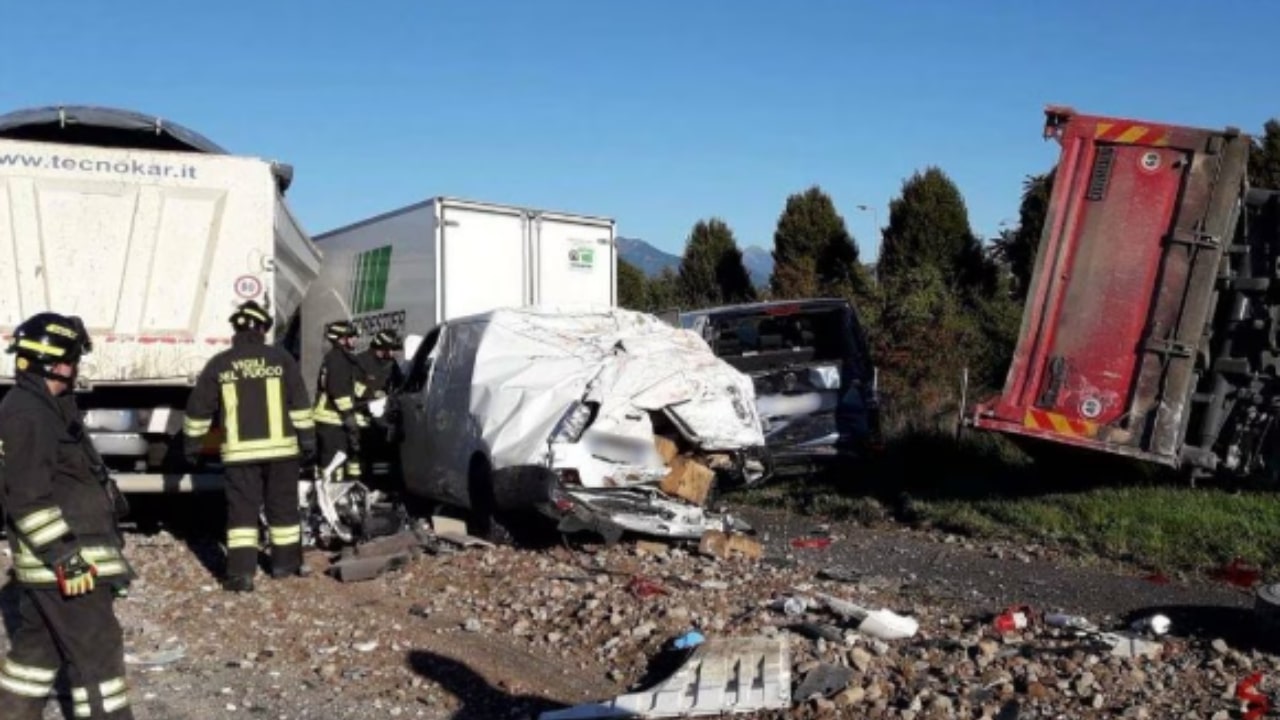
1113,338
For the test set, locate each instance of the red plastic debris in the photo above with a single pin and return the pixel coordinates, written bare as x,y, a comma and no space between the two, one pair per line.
1157,578
1256,704
1238,574
1016,617
811,543
643,587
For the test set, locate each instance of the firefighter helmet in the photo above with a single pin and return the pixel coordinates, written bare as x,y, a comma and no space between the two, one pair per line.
47,339
386,340
340,329
250,316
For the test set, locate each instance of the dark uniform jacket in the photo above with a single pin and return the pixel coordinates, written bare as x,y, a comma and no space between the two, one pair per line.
342,380
58,498
265,410
380,375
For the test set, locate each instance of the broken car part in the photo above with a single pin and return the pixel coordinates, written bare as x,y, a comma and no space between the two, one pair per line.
722,675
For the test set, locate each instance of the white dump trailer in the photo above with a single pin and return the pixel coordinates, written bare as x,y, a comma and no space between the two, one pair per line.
411,269
152,234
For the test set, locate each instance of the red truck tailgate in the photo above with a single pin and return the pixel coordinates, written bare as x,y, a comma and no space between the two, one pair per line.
1123,285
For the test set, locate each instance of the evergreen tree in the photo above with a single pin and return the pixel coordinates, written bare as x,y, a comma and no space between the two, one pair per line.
711,271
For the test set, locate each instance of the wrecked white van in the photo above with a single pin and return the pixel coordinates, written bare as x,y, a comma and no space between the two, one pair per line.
607,420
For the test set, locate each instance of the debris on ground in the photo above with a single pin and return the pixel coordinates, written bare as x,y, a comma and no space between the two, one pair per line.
722,675
726,546
513,633
1238,574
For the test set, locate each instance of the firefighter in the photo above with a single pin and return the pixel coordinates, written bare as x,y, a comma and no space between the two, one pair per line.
61,515
382,372
381,375
338,422
266,416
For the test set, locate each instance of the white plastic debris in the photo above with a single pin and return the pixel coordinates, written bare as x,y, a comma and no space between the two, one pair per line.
723,675
1155,624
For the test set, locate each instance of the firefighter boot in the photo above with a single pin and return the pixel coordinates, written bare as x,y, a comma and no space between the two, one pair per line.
238,584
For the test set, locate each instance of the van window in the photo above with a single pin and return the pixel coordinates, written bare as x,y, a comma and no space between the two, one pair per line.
420,367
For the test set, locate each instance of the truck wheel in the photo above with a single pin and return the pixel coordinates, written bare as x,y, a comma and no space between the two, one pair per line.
484,514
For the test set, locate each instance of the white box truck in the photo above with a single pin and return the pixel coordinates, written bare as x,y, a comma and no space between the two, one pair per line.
152,234
414,268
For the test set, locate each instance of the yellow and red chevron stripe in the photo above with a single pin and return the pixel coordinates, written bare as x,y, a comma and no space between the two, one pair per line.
1061,424
1131,134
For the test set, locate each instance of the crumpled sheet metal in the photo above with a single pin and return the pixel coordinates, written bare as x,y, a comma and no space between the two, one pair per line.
722,676
528,365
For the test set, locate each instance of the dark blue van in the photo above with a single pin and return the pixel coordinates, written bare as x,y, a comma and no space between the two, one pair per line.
814,377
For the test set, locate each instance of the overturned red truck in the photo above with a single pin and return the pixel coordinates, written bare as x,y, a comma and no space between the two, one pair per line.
1152,321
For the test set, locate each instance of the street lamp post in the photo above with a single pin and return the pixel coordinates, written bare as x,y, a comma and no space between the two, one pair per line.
875,214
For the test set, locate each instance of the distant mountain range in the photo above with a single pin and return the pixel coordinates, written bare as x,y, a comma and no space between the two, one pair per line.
652,261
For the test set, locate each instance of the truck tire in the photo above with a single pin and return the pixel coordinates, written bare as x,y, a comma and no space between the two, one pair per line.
484,514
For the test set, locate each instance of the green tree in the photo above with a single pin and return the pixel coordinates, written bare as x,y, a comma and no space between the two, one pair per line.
1017,247
945,305
1264,160
633,287
711,271
663,292
929,225
813,252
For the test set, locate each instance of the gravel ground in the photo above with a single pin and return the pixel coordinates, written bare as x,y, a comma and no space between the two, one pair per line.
506,633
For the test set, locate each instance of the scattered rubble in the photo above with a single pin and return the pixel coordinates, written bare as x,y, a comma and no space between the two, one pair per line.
499,632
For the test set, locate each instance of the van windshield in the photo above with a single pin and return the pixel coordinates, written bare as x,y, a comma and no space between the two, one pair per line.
816,332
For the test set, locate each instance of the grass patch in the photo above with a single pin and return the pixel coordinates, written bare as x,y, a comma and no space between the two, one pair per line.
983,486
1158,527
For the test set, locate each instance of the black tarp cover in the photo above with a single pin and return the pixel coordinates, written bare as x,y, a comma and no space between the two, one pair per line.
114,127
105,127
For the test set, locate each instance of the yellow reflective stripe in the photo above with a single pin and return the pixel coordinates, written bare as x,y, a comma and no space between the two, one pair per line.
287,535
327,417
34,575
25,688
353,469
49,533
275,408
82,710
302,419
242,537
254,314
230,403
194,427
98,553
111,567
359,387
79,693
114,686
62,330
113,704
41,347
343,403
28,672
31,522
263,454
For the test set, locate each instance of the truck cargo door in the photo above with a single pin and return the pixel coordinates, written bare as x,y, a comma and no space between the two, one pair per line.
1119,231
484,253
575,262
1123,285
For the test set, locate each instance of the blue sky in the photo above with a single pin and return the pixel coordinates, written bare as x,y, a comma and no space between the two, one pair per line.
656,113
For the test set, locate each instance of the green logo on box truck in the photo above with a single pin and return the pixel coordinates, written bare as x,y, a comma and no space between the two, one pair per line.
369,283
582,257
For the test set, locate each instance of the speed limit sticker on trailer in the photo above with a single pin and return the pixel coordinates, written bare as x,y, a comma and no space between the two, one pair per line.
248,286
1150,161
